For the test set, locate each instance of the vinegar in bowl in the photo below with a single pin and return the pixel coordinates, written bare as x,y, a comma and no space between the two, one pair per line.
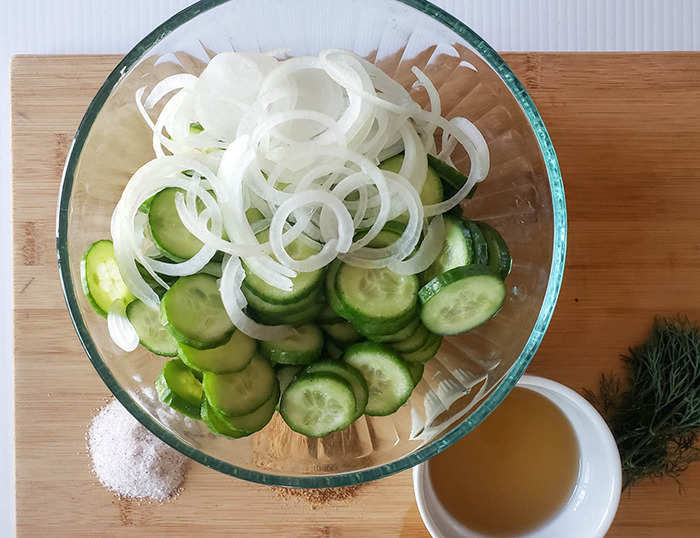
514,472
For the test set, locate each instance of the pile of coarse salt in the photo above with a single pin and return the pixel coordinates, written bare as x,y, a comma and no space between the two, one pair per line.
130,460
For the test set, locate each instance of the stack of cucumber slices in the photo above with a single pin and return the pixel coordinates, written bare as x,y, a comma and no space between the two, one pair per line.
298,244
362,339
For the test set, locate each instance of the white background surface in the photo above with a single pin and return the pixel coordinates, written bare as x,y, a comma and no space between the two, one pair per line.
114,26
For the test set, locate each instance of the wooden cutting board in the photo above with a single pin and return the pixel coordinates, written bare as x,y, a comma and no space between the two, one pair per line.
626,128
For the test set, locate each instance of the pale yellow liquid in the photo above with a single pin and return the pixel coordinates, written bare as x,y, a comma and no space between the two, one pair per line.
514,472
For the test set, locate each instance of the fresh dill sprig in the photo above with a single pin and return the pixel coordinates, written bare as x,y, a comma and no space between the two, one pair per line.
655,418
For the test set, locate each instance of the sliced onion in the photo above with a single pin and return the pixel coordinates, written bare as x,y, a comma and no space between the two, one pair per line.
120,328
292,139
148,180
347,70
275,78
433,95
162,140
356,182
449,143
234,164
214,182
377,134
279,118
473,141
259,108
381,257
415,163
234,303
427,253
435,105
165,86
480,144
177,123
227,88
260,226
123,235
198,227
332,247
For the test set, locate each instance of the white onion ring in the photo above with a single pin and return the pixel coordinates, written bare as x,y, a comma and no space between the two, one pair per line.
473,141
234,164
426,254
330,249
234,303
165,86
120,328
293,140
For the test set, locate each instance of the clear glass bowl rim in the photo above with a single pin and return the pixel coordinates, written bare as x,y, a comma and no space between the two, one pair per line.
355,477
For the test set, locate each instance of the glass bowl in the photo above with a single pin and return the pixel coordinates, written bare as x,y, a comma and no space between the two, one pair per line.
523,197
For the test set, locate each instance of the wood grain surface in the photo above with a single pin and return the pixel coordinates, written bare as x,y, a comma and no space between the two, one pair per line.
626,128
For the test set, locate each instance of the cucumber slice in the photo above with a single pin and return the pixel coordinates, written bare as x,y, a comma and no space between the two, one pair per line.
307,315
327,316
387,236
145,206
193,312
332,350
253,214
426,352
177,387
167,231
481,247
458,249
461,299
431,193
399,336
102,282
383,239
449,192
155,286
388,378
352,376
379,295
281,310
213,269
414,343
372,329
152,335
302,284
331,293
215,424
447,173
169,280
286,374
304,347
342,333
256,420
499,254
454,178
318,404
416,372
243,392
234,356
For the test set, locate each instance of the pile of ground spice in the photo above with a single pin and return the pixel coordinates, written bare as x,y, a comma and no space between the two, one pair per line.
318,497
130,460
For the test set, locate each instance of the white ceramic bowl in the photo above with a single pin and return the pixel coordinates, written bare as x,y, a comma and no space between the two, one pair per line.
593,503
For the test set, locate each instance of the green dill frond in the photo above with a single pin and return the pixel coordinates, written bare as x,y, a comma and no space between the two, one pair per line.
655,418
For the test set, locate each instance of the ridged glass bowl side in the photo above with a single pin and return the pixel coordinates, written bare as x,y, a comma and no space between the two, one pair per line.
523,197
